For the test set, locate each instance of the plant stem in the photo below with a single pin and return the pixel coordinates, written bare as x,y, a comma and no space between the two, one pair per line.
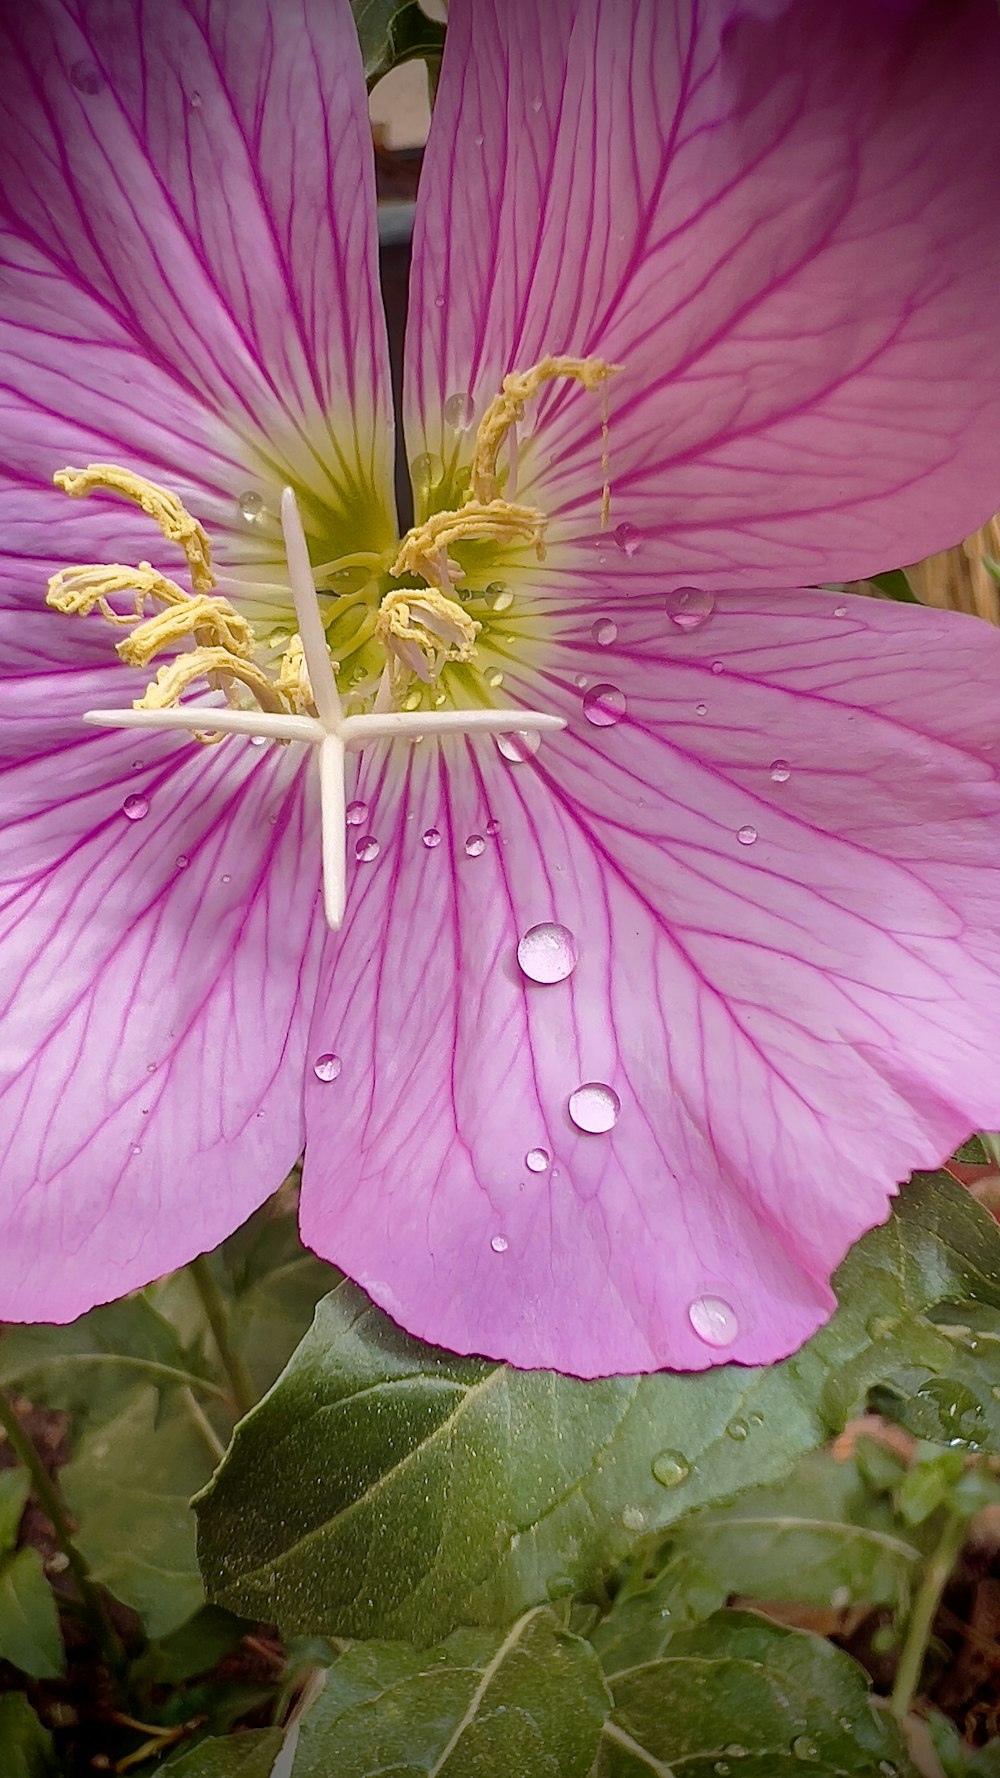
214,1304
50,1500
921,1619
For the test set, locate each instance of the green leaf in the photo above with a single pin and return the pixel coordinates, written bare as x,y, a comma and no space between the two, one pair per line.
529,1703
896,586
819,1537
29,1622
250,1755
274,1284
129,1485
394,31
15,1486
26,1746
649,1610
193,1648
744,1696
386,1488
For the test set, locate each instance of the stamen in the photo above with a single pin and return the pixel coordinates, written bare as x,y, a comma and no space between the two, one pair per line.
165,508
293,677
424,549
76,591
420,629
508,407
212,621
173,679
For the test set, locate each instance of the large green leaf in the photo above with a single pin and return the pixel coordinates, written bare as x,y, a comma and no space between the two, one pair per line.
386,1488
25,1745
29,1622
86,1368
531,1703
250,1755
394,31
742,1696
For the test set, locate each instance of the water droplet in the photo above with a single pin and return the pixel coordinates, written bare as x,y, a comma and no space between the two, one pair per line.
840,611
478,141
355,813
804,1748
604,632
499,1243
182,861
581,681
519,745
701,709
594,1107
747,835
722,1768
498,596
459,412
547,953
258,740
881,1327
735,1750
781,771
604,705
425,471
135,807
366,850
671,1468
714,1320
718,666
226,878
195,101
432,838
688,607
475,846
627,538
492,829
86,77
327,1067
887,1769
536,104
412,700
536,1160
737,1429
957,1408
251,505
633,1518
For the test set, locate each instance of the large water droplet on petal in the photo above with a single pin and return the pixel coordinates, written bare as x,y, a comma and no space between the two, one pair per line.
627,538
688,607
425,471
671,1468
537,1160
781,771
547,953
604,632
86,77
475,845
519,745
747,835
459,412
355,814
327,1067
251,506
714,1320
366,850
604,705
135,807
594,1107
432,838
498,596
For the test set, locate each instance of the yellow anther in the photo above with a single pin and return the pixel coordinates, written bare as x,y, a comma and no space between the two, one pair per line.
173,679
172,517
293,678
508,407
420,629
424,549
212,622
76,591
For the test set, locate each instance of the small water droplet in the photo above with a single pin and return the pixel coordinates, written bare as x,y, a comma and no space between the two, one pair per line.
804,1748
492,829
251,505
671,1468
519,745
781,771
499,1243
195,101
498,596
86,77
735,1750
478,141
688,607
366,850
536,104
633,1518
627,538
701,709
840,611
425,471
718,666
432,838
737,1429
604,632
136,1149
412,700
475,846
604,705
714,1320
439,302
881,1327
226,878
182,861
135,807
536,1160
547,952
581,682
327,1067
594,1107
747,835
459,412
355,814
722,1768
887,1769
258,740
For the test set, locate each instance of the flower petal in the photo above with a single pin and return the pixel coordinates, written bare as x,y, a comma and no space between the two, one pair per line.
778,867
780,219
189,267
157,982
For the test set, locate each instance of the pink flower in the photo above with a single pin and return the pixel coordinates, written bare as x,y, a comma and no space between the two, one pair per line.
626,1038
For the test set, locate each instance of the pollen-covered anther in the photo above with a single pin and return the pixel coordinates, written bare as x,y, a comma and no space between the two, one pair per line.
293,677
160,504
175,676
211,621
507,408
87,586
424,549
420,629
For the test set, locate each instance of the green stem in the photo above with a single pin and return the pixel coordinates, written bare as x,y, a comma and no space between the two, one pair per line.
214,1304
51,1502
925,1606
